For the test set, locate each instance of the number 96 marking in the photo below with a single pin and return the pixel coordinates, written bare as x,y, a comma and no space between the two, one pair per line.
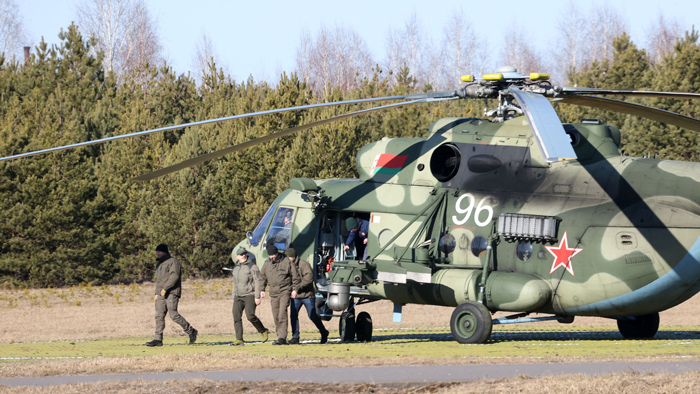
480,208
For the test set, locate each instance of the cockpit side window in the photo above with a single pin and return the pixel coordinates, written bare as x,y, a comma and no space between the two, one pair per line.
259,231
281,229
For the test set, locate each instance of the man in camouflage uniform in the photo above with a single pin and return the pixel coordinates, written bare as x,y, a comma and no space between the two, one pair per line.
167,296
284,280
306,296
246,295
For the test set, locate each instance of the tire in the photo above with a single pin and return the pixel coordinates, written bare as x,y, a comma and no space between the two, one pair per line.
471,323
346,327
639,327
363,326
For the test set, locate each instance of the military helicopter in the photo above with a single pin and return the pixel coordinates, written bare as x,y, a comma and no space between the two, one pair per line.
518,214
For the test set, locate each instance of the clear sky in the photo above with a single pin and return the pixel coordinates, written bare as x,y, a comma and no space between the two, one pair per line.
260,37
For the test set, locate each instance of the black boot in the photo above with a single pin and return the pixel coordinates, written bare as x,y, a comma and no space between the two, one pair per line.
154,342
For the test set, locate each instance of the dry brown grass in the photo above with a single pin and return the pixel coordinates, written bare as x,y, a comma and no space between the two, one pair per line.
120,311
125,311
627,382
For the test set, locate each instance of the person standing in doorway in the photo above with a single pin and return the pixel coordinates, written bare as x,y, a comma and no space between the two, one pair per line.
358,231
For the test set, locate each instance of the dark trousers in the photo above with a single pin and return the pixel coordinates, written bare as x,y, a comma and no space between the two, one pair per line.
247,304
310,309
169,306
279,304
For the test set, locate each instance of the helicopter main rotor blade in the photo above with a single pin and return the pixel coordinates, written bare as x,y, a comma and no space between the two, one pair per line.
180,126
248,144
626,107
553,141
639,93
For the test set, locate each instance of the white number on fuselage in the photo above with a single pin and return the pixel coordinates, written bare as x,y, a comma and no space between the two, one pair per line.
467,211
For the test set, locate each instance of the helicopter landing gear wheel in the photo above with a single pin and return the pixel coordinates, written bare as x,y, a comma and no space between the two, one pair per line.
639,327
471,323
346,328
363,327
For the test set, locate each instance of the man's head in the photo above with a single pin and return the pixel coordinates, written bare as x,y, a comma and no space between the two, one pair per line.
241,254
291,253
162,250
272,251
351,223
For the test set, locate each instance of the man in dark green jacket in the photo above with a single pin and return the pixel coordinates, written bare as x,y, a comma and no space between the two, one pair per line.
246,295
167,296
284,282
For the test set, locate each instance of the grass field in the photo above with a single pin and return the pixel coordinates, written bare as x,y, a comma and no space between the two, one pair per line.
96,330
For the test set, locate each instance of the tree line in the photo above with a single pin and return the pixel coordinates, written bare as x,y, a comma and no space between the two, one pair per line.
74,216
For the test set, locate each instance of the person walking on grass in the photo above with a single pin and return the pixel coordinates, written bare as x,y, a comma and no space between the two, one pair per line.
306,296
284,282
246,295
167,296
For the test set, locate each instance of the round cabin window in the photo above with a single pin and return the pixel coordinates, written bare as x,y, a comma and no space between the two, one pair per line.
479,246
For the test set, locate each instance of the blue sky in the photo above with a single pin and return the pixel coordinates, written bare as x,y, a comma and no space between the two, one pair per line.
260,37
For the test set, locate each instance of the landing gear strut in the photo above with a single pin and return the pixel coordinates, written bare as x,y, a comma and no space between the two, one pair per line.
471,323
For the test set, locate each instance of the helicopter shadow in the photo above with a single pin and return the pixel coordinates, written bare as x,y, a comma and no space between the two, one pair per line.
553,336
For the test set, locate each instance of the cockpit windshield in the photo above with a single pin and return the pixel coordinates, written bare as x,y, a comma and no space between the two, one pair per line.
259,231
281,229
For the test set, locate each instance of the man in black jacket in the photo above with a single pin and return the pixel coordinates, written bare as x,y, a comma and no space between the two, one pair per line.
167,296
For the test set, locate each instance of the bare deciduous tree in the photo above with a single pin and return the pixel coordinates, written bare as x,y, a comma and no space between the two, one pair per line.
12,34
411,48
462,52
661,37
206,55
586,36
336,57
517,52
606,24
125,33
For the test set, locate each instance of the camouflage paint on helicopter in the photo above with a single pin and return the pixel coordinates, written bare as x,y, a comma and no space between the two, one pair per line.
613,233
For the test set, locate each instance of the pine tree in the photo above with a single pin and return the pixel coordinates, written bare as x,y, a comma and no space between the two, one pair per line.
679,72
51,205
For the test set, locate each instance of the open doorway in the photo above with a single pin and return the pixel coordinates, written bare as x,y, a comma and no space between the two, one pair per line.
333,236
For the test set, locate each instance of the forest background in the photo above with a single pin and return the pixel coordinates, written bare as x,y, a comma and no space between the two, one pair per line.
76,217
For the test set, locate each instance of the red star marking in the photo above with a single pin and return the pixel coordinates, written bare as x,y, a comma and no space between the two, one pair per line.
562,255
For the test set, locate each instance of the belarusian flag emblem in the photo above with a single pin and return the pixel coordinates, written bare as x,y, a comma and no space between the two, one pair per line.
386,163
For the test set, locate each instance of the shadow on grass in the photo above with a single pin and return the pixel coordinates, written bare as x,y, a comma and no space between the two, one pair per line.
496,337
539,336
